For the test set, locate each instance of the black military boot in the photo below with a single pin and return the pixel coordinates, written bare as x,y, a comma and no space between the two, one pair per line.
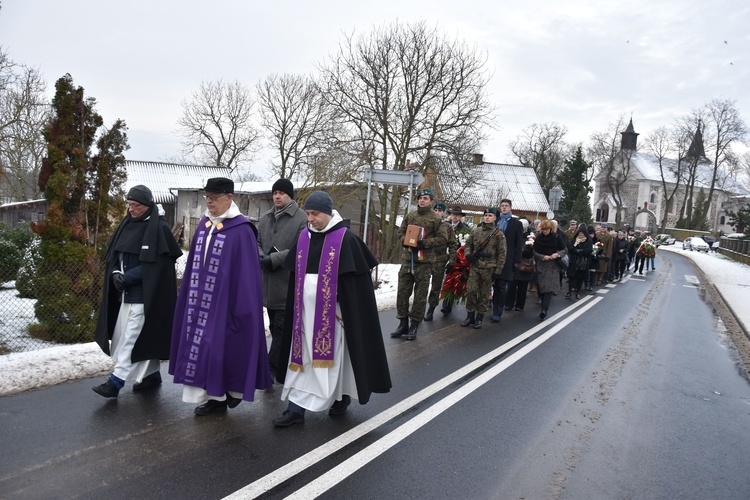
428,316
412,335
403,328
478,321
469,319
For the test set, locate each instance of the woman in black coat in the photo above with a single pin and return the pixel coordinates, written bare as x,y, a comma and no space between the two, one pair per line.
620,254
581,248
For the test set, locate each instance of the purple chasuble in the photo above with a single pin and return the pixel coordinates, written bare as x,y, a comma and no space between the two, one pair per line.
325,300
218,338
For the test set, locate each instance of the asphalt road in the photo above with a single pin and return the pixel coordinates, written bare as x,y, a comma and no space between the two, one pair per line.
632,392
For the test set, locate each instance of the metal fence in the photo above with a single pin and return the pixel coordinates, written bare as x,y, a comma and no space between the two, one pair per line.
58,307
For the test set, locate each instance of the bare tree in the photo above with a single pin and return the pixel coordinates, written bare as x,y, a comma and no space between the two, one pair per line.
24,110
612,164
724,126
406,91
299,122
543,148
217,126
659,144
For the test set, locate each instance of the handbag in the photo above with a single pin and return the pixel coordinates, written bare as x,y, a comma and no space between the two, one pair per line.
563,262
525,267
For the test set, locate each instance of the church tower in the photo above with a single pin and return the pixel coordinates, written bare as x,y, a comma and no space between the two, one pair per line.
696,150
629,138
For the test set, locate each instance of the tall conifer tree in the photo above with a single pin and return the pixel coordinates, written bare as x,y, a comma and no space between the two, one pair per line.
574,181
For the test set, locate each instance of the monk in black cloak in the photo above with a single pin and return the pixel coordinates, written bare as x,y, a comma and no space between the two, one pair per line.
140,290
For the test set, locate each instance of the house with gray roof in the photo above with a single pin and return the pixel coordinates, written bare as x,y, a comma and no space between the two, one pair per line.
477,184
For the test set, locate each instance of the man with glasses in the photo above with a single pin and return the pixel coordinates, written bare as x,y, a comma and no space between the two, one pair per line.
218,339
512,229
140,287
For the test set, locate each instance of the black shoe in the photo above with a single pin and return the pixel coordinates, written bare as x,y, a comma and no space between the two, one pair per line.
430,311
518,308
508,308
153,380
495,319
403,328
232,402
412,335
478,322
211,406
469,319
339,407
108,389
446,310
289,418
543,314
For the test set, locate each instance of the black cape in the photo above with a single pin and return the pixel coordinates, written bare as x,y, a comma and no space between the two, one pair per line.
159,293
359,311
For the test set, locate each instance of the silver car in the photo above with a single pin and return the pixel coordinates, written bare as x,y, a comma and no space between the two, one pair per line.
695,243
664,239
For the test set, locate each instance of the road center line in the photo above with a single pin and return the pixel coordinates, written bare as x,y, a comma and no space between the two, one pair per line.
312,457
337,474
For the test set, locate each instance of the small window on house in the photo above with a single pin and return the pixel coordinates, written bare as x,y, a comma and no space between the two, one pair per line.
602,213
722,220
670,207
652,200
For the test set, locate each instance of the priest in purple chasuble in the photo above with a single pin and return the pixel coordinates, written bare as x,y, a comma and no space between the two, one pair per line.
218,347
332,344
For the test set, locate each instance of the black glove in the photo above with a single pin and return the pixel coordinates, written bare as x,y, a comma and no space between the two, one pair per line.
448,268
118,280
420,244
495,276
472,258
266,264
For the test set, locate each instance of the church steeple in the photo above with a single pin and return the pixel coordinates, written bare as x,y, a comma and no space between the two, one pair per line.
629,137
696,149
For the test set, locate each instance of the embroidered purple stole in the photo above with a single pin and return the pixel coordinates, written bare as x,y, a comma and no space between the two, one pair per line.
325,300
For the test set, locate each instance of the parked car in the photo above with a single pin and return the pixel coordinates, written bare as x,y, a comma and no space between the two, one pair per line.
695,243
711,240
664,239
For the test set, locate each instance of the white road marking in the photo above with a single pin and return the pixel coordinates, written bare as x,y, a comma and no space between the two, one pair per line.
311,458
334,476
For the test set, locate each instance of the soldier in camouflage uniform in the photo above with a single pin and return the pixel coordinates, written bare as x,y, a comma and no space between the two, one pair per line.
416,264
438,268
485,250
571,232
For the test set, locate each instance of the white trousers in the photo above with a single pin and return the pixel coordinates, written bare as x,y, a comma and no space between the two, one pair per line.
128,327
316,389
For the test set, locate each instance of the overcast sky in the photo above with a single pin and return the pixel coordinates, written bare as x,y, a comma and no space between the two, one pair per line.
578,63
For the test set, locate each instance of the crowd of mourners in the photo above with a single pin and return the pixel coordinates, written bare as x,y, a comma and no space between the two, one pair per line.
312,275
493,266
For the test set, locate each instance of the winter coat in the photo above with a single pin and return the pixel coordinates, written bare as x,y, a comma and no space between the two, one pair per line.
275,237
548,271
620,244
514,241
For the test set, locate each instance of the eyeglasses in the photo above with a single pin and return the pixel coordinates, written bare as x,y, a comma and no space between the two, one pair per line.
213,197
132,204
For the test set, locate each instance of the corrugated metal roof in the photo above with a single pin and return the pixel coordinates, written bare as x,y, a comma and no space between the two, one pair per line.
490,183
163,177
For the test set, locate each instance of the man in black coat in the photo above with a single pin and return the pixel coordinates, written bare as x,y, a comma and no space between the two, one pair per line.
140,290
332,349
514,239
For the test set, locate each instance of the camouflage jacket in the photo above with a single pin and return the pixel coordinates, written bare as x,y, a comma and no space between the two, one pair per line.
435,238
492,257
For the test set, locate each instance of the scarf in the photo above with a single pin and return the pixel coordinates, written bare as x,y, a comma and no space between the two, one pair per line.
324,321
547,245
502,223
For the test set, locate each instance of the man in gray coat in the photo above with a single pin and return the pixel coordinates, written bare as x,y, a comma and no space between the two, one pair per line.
278,230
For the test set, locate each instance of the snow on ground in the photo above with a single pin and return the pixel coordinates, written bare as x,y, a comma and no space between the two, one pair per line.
42,368
22,371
